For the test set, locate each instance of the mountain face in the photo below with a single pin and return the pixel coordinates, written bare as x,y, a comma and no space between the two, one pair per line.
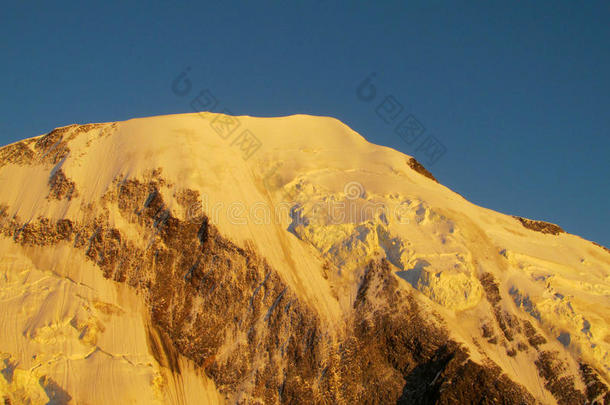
204,258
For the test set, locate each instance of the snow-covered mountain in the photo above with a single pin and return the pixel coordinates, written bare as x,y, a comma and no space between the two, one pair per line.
204,258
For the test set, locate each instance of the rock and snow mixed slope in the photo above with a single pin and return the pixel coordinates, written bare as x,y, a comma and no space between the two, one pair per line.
147,261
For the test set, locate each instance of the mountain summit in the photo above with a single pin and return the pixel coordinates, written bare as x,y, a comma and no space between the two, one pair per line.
205,258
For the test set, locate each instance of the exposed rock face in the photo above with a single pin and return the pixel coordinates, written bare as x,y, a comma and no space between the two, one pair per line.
419,168
540,226
47,149
603,247
245,325
435,368
61,187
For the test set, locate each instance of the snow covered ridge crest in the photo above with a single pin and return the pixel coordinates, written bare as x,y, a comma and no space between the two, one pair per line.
319,250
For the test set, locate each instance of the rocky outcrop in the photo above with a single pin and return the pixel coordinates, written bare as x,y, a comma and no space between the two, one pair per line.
550,366
596,391
419,168
600,246
399,342
61,187
540,226
51,148
562,387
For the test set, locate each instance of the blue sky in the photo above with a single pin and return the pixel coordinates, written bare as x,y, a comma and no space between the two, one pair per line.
517,94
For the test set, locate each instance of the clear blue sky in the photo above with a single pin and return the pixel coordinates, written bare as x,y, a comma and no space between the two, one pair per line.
518,94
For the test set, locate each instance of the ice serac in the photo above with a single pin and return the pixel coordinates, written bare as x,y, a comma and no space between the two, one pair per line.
147,261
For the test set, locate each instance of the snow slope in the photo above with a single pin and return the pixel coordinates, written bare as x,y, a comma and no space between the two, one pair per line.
318,202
